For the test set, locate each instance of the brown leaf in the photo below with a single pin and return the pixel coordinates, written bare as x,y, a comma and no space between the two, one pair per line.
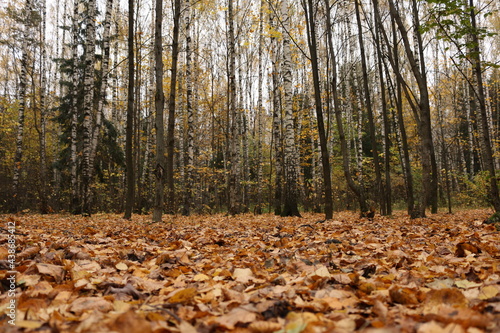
264,327
405,296
57,272
130,321
465,248
235,316
183,296
83,304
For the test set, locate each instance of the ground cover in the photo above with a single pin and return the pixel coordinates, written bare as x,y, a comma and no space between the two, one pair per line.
251,273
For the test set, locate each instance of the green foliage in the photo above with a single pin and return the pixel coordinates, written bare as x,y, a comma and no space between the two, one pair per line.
451,21
475,193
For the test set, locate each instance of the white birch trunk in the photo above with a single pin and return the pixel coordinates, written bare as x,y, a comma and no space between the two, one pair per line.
18,155
290,158
88,105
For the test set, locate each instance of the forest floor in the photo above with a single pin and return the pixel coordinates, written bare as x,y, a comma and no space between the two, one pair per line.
250,274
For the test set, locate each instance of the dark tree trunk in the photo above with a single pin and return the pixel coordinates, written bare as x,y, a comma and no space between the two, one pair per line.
171,111
325,158
159,125
129,156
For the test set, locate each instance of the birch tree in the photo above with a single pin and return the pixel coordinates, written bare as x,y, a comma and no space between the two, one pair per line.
88,103
23,77
291,190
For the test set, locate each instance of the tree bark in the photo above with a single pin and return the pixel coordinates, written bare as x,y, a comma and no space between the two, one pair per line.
189,165
18,155
129,154
234,190
325,158
171,110
159,171
485,135
290,207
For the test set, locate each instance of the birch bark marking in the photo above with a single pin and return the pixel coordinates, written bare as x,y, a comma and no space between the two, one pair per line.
234,190
104,83
290,161
189,166
88,105
277,121
171,110
43,116
258,208
18,155
75,205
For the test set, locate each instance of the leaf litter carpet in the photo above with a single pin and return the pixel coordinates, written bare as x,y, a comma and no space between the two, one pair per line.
253,274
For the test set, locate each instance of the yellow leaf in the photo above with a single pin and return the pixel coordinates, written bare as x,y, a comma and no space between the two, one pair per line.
30,324
121,266
183,296
488,292
201,277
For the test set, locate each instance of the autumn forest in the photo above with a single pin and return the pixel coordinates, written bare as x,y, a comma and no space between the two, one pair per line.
241,106
203,166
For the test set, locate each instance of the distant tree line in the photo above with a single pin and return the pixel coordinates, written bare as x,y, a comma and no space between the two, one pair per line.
198,106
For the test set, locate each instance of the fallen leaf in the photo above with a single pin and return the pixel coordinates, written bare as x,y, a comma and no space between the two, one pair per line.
235,316
183,296
83,304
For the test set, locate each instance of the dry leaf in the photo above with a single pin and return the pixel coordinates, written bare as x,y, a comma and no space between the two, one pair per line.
235,316
83,304
183,296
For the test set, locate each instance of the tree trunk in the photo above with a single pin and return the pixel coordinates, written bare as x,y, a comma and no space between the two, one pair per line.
171,110
18,155
487,151
129,154
234,190
277,125
385,114
75,206
189,166
159,105
258,207
104,83
290,207
44,205
325,158
88,102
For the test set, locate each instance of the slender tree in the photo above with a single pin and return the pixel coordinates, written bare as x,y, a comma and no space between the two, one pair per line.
21,111
487,150
171,110
189,165
129,154
159,124
234,190
310,9
291,192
